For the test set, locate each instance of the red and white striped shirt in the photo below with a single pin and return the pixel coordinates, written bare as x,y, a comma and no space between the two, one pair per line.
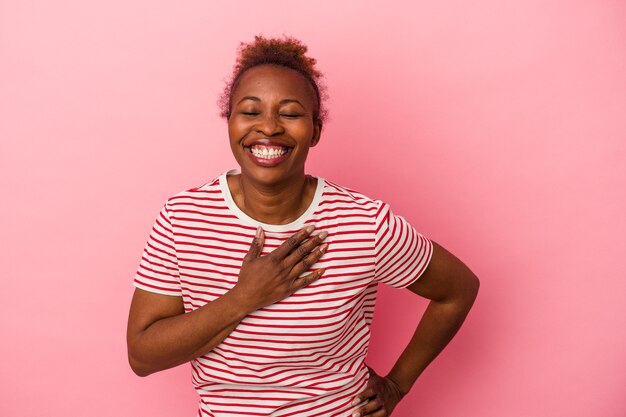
303,356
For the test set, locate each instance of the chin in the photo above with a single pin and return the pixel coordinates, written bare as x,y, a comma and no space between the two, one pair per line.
267,176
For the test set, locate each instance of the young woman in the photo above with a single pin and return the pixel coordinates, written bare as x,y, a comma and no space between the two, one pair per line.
265,278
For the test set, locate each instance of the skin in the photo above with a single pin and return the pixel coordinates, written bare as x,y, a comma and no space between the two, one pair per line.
160,335
452,289
275,105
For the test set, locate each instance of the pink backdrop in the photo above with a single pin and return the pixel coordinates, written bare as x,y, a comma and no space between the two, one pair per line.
498,128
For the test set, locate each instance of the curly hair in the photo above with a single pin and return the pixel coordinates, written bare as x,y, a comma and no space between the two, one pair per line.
286,52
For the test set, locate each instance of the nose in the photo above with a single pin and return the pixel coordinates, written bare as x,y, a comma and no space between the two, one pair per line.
269,125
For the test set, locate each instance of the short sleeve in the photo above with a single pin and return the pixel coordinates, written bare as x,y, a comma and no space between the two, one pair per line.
158,269
402,254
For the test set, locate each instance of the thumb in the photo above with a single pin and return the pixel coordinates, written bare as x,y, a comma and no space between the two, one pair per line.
373,377
256,247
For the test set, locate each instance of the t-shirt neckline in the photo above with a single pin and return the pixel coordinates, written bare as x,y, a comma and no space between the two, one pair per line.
296,224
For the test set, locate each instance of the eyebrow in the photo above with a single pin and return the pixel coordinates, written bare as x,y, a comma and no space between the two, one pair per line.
284,101
249,98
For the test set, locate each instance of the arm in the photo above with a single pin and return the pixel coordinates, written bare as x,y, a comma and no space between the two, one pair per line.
452,289
160,335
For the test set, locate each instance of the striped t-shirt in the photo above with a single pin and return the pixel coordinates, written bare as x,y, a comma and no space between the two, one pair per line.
303,356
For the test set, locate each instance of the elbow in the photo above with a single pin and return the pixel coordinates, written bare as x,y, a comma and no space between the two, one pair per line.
140,371
470,290
474,285
139,368
463,291
138,357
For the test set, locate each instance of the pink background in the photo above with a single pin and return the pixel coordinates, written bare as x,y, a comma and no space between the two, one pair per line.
498,128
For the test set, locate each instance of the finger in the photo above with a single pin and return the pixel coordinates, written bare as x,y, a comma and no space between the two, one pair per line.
307,279
381,412
256,247
308,261
303,250
291,243
369,409
363,395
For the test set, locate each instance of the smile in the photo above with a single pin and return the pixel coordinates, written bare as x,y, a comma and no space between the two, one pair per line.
268,152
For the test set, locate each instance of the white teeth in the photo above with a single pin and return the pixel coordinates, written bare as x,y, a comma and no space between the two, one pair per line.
266,152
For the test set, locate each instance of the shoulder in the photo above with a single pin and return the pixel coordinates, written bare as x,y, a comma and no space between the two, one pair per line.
334,190
207,192
341,195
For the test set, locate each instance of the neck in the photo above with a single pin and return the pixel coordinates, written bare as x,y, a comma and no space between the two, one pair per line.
275,203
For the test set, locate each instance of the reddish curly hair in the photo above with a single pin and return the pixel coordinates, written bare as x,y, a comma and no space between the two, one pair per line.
287,52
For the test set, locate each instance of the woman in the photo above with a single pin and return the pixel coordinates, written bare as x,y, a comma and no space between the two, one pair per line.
265,278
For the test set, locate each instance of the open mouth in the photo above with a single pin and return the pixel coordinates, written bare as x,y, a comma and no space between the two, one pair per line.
268,152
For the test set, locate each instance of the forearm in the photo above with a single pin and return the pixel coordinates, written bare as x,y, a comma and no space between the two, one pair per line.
160,335
175,340
452,288
439,324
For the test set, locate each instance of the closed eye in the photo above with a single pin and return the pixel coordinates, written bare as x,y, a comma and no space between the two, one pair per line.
290,115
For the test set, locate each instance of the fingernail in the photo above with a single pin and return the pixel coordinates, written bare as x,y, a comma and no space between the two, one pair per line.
258,231
323,235
310,228
355,401
356,414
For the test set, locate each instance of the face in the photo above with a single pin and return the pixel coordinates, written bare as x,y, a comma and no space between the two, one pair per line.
271,126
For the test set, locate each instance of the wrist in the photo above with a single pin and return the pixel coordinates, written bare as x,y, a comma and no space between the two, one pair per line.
240,302
398,386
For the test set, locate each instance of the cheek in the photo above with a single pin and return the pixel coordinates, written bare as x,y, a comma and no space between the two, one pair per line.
234,131
304,131
234,140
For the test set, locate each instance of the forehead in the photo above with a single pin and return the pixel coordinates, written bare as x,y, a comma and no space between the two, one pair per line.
273,82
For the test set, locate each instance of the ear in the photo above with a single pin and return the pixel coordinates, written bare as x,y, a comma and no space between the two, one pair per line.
317,133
